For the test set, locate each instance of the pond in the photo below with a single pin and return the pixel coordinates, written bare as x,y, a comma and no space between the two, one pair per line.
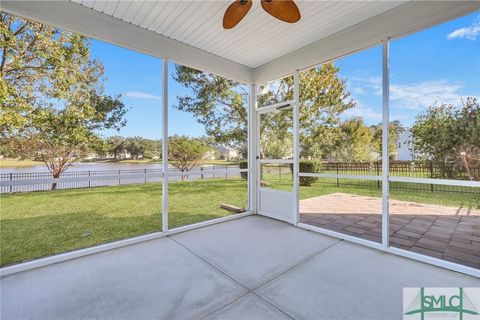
100,166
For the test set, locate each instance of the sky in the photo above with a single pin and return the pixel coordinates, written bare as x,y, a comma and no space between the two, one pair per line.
440,64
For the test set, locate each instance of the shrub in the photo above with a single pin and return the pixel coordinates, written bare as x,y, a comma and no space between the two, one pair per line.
310,166
244,165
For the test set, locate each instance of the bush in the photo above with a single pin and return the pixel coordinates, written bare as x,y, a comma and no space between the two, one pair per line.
244,165
310,166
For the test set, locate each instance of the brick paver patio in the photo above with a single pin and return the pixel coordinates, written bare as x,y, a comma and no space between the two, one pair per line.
448,233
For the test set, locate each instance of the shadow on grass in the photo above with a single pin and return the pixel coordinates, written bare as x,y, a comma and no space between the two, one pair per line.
33,237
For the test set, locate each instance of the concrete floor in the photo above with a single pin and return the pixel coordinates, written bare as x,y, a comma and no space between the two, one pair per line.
250,268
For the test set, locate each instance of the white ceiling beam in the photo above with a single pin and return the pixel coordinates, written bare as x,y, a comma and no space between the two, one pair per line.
73,17
400,21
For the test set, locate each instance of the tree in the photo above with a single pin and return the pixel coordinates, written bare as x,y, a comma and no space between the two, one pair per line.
135,146
276,139
152,149
355,143
184,152
116,146
51,92
221,106
323,98
395,129
217,103
450,136
139,147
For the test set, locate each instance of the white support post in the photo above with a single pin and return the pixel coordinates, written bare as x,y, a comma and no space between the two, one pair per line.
296,153
165,146
385,144
252,150
258,148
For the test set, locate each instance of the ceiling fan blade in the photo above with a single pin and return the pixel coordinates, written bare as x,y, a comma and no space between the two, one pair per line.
235,13
285,10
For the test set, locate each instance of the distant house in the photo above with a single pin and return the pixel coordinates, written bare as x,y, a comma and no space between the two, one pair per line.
91,156
227,153
404,146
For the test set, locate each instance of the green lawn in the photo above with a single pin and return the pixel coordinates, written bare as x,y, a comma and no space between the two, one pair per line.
4,163
328,186
455,199
43,223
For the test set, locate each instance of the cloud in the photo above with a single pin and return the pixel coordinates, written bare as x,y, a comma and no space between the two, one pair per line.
142,95
470,32
358,91
363,112
423,94
365,85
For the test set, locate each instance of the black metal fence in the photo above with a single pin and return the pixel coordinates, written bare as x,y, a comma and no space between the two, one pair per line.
275,171
410,169
426,169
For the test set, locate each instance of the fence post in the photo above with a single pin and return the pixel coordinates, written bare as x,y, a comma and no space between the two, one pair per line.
89,179
431,174
226,173
145,175
11,178
201,176
119,183
337,176
280,172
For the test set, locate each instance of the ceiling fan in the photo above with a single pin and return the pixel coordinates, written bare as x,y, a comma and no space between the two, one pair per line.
285,10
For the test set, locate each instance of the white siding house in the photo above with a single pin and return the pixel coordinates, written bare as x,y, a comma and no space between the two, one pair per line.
227,153
404,145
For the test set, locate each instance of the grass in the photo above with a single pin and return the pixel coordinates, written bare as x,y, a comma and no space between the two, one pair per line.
4,163
328,186
43,223
454,199
38,224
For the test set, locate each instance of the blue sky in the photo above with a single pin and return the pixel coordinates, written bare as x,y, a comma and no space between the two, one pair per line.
440,64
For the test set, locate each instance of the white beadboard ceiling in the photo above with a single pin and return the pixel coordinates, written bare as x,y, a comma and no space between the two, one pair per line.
256,40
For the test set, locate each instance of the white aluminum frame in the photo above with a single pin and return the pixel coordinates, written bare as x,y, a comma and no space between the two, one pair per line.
296,145
386,179
275,106
253,176
385,143
252,200
279,107
98,26
165,144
